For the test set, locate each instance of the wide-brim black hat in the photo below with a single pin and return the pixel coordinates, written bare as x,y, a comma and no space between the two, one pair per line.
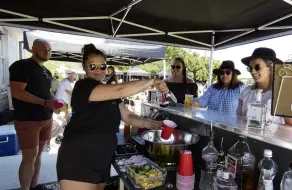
226,65
264,53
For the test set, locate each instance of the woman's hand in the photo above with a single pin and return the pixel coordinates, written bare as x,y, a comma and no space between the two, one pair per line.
196,104
160,85
150,124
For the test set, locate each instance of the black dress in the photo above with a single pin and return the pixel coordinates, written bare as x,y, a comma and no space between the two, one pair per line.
180,89
90,140
111,79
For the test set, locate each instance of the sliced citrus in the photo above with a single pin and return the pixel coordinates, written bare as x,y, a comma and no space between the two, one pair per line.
144,184
150,185
157,183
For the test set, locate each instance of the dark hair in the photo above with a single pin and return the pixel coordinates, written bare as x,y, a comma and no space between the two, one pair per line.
184,71
114,73
89,49
235,82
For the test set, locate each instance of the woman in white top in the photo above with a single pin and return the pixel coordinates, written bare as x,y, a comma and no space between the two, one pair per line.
260,65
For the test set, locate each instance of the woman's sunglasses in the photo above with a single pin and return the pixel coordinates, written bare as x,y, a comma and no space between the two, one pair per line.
93,66
256,67
175,66
227,72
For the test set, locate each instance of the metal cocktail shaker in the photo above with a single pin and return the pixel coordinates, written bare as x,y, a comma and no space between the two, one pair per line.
169,96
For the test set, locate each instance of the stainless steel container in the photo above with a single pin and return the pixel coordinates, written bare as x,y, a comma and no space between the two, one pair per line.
167,152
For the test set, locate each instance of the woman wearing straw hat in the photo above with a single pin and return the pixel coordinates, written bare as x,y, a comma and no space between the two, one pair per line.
224,94
260,65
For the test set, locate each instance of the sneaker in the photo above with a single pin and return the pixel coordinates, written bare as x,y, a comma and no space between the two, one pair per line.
59,139
39,187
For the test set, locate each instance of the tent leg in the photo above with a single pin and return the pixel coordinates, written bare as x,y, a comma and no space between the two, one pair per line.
164,69
211,61
130,73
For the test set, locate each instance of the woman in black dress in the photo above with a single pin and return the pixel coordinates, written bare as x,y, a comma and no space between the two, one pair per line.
113,79
90,140
179,83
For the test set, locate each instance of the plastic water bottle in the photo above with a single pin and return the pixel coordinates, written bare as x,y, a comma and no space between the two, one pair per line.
268,169
286,183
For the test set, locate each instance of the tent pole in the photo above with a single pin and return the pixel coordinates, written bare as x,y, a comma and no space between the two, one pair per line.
164,69
125,14
211,60
235,37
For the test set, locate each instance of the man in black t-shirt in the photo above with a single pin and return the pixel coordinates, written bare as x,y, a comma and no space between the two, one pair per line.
30,84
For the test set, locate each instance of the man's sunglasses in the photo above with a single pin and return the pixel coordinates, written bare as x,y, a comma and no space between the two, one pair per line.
257,68
175,66
93,67
227,72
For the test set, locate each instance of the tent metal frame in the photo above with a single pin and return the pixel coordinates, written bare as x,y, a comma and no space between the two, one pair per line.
154,32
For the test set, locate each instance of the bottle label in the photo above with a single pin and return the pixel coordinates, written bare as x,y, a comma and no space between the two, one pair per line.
211,166
232,164
265,184
254,113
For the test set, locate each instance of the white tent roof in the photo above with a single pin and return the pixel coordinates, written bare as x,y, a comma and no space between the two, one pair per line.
161,73
118,72
136,71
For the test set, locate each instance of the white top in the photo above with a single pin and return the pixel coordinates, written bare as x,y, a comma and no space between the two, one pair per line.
248,95
7,130
61,92
55,84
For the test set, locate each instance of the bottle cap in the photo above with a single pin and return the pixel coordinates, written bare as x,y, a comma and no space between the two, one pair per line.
242,137
268,153
219,172
225,173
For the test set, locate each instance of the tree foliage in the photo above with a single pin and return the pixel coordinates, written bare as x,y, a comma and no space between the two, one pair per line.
197,66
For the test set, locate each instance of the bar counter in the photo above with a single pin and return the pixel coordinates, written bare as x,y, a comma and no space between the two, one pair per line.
278,135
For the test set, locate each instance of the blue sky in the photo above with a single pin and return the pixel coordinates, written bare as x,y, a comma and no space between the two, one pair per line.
282,47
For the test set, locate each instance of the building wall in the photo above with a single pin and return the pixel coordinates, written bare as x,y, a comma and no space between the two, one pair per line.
9,52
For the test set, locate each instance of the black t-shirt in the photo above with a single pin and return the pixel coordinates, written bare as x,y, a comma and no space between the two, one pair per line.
91,117
38,80
111,79
179,90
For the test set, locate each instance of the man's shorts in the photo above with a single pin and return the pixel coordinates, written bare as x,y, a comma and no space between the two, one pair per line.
30,133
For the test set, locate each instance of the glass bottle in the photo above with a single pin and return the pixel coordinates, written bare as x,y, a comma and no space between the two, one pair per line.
241,164
210,157
223,181
256,112
268,169
221,157
286,182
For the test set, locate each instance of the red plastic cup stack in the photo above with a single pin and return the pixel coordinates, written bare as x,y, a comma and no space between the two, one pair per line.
168,128
185,177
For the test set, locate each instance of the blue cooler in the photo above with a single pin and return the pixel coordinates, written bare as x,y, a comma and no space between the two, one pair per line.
8,141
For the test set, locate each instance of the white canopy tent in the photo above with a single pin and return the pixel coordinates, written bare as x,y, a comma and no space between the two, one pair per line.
136,71
118,72
166,74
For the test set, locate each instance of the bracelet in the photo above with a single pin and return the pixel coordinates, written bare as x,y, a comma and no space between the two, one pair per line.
45,104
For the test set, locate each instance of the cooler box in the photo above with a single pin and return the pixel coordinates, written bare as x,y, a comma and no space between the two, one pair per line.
8,140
